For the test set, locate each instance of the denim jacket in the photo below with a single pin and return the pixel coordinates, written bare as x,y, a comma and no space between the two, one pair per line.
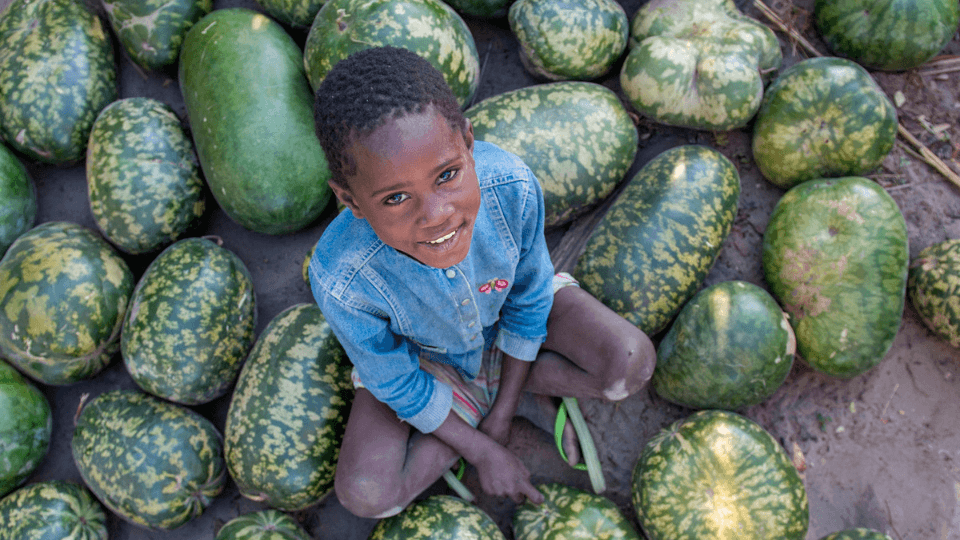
387,309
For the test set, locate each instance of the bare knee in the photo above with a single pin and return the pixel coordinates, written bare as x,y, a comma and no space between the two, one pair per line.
631,359
367,497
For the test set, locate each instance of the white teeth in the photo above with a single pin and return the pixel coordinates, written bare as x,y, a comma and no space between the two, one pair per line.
443,238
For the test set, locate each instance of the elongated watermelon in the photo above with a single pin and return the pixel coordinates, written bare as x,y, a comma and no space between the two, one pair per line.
288,412
26,424
191,322
716,475
143,177
568,512
654,247
63,296
154,463
57,71
835,254
18,213
543,123
52,509
251,114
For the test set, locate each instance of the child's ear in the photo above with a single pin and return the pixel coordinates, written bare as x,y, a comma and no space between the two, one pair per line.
468,134
346,198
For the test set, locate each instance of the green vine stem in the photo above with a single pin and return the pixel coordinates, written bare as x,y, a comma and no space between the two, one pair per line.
589,450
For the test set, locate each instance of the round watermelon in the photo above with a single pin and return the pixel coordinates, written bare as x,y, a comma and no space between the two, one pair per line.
822,117
562,40
63,295
26,424
438,517
18,213
933,286
567,512
266,524
154,463
835,255
430,28
288,412
52,510
143,177
729,347
152,31
654,247
191,322
716,475
541,123
57,71
891,35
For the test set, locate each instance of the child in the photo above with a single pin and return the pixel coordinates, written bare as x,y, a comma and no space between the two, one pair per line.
439,286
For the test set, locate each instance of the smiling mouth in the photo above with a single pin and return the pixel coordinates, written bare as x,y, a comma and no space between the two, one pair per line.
443,238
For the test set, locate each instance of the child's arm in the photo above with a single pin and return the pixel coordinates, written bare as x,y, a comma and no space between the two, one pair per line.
513,376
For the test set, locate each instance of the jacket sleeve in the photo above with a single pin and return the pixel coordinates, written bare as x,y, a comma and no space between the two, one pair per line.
523,318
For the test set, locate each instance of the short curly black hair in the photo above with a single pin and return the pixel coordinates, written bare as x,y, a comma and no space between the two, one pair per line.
365,89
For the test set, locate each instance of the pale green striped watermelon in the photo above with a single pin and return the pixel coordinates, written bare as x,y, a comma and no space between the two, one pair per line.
438,517
567,513
52,510
933,286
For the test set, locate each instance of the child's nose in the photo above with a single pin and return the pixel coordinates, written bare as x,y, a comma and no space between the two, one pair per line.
436,210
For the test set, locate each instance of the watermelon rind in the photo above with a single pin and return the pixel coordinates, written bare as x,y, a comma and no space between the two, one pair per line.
154,463
18,213
268,524
542,123
26,425
152,31
857,533
297,14
52,510
438,517
63,296
717,475
568,512
933,286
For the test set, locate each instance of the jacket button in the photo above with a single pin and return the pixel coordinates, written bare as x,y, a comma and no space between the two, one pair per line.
451,273
465,302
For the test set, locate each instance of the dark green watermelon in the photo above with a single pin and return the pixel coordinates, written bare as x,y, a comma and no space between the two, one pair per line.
152,31
857,533
26,424
52,510
154,463
18,213
266,524
438,517
63,296
567,512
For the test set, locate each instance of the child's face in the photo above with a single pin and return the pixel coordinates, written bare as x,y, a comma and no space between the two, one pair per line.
416,186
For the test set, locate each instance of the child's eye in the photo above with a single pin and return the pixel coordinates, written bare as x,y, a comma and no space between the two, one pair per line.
396,198
446,176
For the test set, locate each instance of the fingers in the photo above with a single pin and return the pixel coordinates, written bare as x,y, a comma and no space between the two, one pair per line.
533,494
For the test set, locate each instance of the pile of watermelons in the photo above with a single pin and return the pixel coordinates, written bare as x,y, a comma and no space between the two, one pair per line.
204,391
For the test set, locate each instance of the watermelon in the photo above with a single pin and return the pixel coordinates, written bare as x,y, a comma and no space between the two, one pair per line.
729,347
18,213
430,28
857,533
63,296
822,117
251,114
562,40
489,9
152,31
295,13
143,177
266,524
54,509
890,35
717,475
568,512
288,412
438,517
933,286
57,71
154,463
191,322
700,64
653,248
26,425
835,255
542,123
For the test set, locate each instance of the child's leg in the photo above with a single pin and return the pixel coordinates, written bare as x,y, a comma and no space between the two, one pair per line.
384,463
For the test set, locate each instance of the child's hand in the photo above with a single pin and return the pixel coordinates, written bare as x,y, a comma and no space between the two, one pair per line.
496,427
502,474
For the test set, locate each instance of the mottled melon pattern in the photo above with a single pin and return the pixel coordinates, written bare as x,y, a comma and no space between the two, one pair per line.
576,137
151,31
296,13
191,322
698,64
652,250
835,255
438,517
822,117
933,286
57,71
153,463
52,510
718,475
26,424
266,524
143,177
562,40
63,296
18,213
567,512
430,28
289,411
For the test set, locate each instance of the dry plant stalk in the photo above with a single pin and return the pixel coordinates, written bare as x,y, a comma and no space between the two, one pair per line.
928,156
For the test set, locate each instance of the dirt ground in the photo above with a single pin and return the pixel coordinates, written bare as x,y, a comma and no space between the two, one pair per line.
881,450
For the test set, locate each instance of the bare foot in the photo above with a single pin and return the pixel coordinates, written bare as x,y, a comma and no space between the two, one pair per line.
541,411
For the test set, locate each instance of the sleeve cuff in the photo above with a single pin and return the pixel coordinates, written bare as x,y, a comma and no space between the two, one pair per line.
436,410
518,347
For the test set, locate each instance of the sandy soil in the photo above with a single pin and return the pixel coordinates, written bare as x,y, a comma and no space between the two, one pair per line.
881,450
